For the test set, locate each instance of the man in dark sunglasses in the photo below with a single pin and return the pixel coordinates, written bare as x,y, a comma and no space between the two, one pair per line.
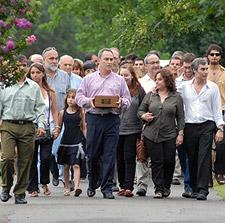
217,75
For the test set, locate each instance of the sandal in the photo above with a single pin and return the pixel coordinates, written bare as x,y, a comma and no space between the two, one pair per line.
158,195
34,194
66,192
46,190
77,192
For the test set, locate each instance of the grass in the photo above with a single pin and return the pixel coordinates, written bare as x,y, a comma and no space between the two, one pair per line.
220,189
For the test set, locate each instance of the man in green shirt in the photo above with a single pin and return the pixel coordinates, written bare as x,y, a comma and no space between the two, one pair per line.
20,105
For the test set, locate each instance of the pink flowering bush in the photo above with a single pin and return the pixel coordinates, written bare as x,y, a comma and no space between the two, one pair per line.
16,21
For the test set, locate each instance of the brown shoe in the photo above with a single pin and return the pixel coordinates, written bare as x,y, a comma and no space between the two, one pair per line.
128,193
121,192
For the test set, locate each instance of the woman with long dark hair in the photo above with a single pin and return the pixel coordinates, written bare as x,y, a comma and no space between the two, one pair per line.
130,130
37,73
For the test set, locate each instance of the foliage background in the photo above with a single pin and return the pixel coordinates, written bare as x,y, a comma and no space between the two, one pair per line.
77,27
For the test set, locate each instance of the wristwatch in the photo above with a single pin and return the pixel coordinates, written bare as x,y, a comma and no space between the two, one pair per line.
221,129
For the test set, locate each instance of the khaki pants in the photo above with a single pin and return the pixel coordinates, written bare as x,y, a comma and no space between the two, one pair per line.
22,137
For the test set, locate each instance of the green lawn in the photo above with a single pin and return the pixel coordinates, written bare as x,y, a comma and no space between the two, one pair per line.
220,189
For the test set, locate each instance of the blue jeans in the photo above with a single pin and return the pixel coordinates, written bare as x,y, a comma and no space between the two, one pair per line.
184,167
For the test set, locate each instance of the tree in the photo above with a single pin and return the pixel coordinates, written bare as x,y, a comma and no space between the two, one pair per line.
141,25
15,24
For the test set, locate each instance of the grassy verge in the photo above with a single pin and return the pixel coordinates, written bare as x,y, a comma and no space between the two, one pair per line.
220,189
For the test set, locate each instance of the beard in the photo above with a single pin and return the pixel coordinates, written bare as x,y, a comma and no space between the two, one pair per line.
214,63
50,67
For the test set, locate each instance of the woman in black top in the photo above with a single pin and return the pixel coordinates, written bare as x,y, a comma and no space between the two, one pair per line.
164,116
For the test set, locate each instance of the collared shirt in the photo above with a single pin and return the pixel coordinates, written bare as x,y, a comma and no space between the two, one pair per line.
60,84
147,83
95,84
204,106
221,85
179,82
74,81
22,102
168,116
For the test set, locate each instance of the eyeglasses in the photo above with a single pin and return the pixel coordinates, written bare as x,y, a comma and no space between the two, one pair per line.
214,54
48,49
153,62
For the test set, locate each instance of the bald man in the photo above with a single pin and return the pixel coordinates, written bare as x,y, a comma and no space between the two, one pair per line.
66,63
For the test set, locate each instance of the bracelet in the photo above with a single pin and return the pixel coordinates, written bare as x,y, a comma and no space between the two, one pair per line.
58,127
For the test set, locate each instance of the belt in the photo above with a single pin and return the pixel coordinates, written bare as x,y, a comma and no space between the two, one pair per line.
18,122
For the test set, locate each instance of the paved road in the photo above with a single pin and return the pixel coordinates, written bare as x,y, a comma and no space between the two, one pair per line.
60,209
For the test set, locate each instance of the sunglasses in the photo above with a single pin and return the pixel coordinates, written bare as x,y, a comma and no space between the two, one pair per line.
214,54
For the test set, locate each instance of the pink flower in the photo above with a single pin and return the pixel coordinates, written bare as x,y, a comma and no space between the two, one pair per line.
10,45
1,22
31,39
7,25
22,23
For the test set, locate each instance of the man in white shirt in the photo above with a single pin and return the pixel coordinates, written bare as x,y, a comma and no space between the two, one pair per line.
202,104
152,63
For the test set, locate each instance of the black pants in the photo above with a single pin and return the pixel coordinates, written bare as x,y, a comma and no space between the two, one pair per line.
126,160
198,140
219,165
162,162
45,157
102,139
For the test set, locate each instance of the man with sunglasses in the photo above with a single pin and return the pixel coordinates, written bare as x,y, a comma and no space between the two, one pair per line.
217,75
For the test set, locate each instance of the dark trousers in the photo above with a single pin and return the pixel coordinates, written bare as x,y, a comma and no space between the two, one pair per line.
162,162
198,140
45,157
126,160
54,167
20,137
219,165
183,157
102,139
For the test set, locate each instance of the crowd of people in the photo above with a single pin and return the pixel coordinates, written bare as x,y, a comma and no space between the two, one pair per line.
51,123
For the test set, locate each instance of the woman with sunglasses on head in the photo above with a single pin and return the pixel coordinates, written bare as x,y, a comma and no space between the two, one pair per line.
130,131
37,73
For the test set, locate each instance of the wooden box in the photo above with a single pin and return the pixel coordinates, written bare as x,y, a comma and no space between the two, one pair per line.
106,101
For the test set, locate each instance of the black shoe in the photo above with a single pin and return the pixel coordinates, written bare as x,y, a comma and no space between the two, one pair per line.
201,197
20,200
166,192
176,181
55,182
194,195
108,195
5,196
187,194
115,188
77,192
90,192
141,192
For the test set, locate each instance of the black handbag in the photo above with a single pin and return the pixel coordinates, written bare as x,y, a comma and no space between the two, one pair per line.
48,136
